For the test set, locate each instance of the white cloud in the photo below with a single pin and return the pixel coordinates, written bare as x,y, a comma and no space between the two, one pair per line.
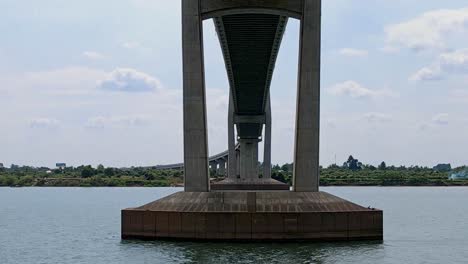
118,121
456,61
96,122
447,63
390,49
349,52
44,123
437,120
82,80
429,30
441,119
93,55
129,80
138,120
431,73
69,80
354,89
374,117
131,45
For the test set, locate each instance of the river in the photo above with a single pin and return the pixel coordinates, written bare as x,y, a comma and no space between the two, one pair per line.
82,225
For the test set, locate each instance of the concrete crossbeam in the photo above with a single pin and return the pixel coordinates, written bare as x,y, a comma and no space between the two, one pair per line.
217,8
249,119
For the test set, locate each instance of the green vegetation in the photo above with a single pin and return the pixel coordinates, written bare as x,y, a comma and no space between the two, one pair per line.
351,173
354,173
371,176
87,176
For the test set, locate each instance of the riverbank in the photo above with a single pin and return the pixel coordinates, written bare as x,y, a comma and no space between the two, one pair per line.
136,182
86,176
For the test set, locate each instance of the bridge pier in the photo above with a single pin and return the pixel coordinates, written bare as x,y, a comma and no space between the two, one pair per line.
222,168
214,167
306,147
267,142
246,207
195,123
232,157
237,164
248,158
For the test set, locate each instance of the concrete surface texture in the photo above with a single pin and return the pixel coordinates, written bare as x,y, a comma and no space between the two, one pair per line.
252,216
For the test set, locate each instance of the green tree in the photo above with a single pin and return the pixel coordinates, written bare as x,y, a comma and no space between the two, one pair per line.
109,172
26,181
383,166
352,163
100,168
149,176
87,171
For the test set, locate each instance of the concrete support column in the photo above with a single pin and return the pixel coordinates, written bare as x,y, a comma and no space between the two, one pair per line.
232,164
214,167
248,158
306,148
237,163
267,142
195,124
222,168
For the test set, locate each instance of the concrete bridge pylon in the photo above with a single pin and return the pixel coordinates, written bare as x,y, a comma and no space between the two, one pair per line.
241,208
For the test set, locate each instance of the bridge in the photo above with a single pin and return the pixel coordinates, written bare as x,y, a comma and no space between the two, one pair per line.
246,206
217,163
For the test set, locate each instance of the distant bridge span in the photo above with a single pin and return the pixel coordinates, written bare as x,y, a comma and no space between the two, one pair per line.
217,162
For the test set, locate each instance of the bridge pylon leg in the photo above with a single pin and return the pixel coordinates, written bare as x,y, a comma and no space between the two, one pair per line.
232,157
306,148
248,158
222,168
267,142
195,123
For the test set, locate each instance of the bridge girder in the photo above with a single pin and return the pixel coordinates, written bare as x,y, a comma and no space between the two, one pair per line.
250,45
219,8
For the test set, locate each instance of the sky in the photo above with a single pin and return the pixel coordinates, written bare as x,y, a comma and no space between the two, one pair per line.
100,82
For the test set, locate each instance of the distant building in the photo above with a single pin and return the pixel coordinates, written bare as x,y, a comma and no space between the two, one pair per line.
61,165
1,165
14,167
442,167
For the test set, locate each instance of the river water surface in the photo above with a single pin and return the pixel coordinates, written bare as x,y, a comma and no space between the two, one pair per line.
82,225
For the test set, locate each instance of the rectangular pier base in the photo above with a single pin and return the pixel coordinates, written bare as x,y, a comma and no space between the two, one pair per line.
258,216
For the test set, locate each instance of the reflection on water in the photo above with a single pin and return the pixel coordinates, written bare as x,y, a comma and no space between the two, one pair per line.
225,252
82,225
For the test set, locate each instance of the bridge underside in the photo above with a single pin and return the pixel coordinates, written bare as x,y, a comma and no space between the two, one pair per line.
250,45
